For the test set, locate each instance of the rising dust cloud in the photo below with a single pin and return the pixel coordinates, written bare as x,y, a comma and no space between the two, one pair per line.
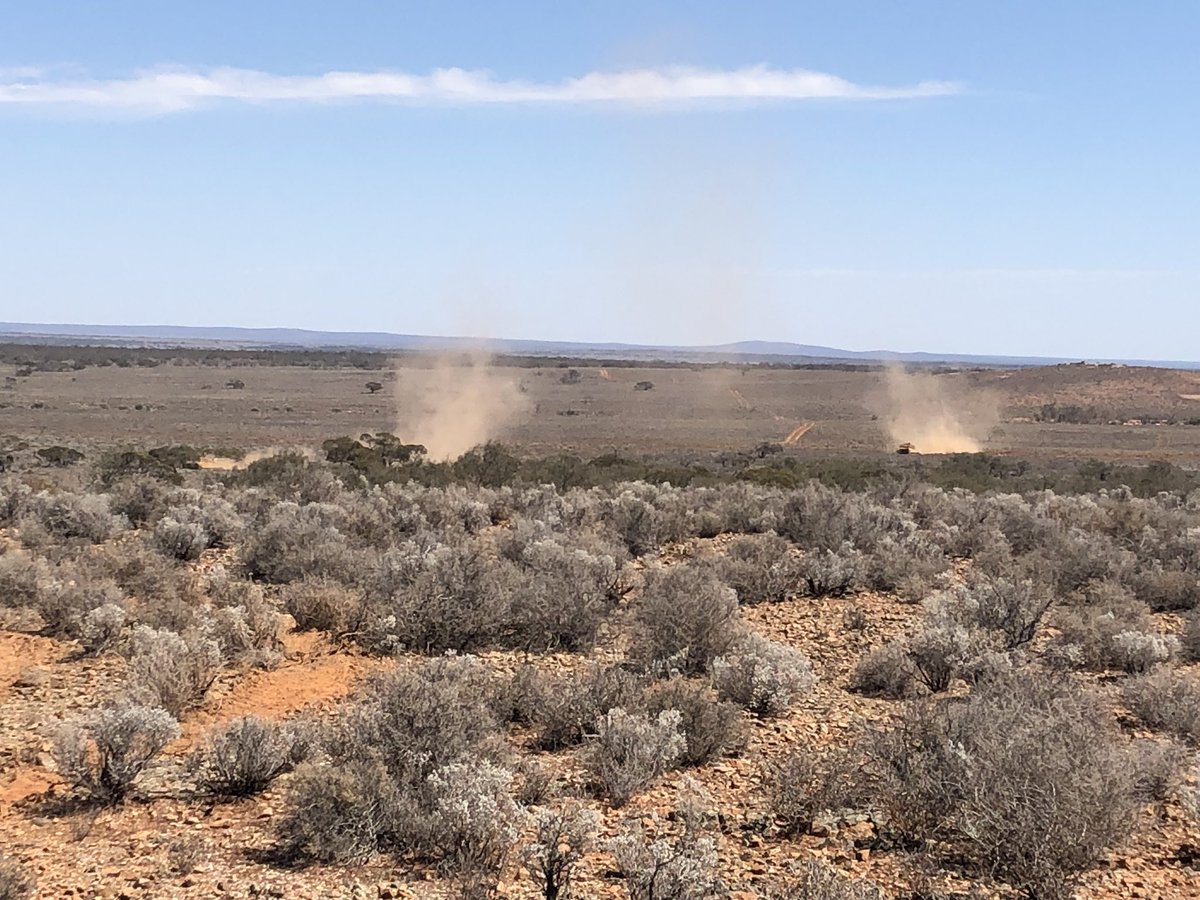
934,413
457,402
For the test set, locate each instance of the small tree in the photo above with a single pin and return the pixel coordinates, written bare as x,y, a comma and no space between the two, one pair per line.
374,387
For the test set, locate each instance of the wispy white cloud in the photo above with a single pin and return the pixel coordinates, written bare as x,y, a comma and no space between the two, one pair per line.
175,89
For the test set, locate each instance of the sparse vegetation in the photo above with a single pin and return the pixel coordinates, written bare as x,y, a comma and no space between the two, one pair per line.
627,625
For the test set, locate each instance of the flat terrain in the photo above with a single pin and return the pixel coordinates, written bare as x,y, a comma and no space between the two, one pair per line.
1112,411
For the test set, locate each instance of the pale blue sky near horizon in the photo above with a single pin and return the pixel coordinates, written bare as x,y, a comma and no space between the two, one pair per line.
1012,178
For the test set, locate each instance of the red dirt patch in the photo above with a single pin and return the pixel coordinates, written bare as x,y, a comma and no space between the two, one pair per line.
19,651
22,783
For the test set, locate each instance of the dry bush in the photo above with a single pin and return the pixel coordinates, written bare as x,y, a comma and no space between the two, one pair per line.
1012,607
762,676
243,756
171,670
459,601
247,632
295,541
338,813
66,516
322,604
184,540
419,721
908,565
1137,652
22,576
712,727
683,868
816,880
165,594
1028,776
474,824
684,619
183,854
15,882
562,838
760,568
632,749
101,628
379,788
562,598
1159,767
937,651
142,499
1190,642
884,672
801,785
102,752
637,524
65,602
1167,701
1166,590
1075,559
565,711
833,573
821,518
1093,625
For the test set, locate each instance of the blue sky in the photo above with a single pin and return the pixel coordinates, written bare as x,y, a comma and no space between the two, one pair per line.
1012,177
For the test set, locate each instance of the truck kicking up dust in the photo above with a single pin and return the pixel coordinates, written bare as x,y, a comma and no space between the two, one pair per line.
458,402
926,413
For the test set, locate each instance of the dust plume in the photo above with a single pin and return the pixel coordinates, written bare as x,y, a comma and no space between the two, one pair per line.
935,413
230,463
455,401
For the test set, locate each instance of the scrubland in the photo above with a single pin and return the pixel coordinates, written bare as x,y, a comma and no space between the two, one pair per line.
360,673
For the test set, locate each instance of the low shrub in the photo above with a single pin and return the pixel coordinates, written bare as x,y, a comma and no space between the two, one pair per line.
66,515
15,882
243,756
474,824
801,785
566,710
684,619
884,672
1137,652
683,868
833,573
104,751
762,676
760,568
171,670
1028,777
1167,701
712,727
338,813
101,628
322,604
816,880
632,749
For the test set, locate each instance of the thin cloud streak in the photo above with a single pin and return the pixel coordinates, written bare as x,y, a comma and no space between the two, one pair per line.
174,90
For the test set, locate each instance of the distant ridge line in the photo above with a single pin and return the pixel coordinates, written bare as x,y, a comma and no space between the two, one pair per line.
301,338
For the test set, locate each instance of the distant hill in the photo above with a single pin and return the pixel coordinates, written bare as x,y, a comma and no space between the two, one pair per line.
742,351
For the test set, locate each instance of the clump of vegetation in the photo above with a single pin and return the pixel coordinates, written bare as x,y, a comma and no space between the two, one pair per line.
243,756
1028,776
684,619
15,882
632,749
102,753
762,676
562,838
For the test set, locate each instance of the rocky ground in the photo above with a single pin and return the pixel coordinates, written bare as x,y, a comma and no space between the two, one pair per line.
167,843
